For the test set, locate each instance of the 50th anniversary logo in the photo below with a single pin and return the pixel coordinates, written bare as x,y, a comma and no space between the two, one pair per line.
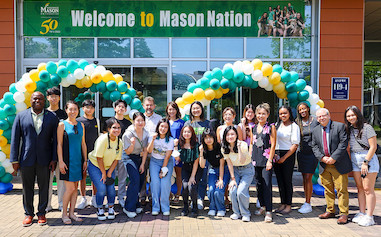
51,24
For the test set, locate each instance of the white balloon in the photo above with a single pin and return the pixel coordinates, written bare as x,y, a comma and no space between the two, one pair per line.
128,109
20,86
132,112
89,69
9,169
313,98
79,73
309,89
257,75
71,79
182,112
319,181
20,106
269,87
26,76
18,96
247,68
2,156
227,65
100,68
314,108
187,109
237,66
205,102
264,82
65,83
6,163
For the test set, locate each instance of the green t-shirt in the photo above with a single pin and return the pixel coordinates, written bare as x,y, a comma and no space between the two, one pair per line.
271,15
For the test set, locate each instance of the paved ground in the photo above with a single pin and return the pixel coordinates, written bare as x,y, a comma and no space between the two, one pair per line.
294,224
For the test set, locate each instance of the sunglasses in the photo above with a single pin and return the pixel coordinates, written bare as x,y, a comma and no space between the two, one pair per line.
75,129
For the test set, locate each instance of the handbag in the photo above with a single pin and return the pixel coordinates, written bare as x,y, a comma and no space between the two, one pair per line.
378,150
109,181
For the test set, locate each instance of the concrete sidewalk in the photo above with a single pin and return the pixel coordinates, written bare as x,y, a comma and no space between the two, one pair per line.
293,224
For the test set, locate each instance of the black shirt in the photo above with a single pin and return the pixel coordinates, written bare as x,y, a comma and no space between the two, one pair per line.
213,156
124,124
60,114
91,132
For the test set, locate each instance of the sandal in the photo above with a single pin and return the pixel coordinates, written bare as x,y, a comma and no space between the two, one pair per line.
176,199
268,217
280,209
76,218
66,220
284,212
260,211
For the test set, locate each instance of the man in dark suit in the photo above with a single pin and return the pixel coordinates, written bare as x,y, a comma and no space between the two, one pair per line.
34,153
329,144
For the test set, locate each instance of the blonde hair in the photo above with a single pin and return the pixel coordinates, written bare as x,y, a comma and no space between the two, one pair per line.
229,109
149,98
264,106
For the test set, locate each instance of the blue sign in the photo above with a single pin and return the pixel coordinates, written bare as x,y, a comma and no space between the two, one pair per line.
340,88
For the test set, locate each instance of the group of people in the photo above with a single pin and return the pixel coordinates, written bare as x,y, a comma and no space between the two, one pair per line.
207,160
281,22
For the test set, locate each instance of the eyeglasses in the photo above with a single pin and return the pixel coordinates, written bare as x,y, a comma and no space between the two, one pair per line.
75,129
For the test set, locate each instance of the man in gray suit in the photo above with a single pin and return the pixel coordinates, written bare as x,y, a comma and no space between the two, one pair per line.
329,144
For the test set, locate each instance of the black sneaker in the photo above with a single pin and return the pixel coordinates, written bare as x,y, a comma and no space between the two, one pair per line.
101,214
185,212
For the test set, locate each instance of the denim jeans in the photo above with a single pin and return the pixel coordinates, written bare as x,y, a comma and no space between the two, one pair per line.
136,182
239,195
160,187
102,189
215,194
203,184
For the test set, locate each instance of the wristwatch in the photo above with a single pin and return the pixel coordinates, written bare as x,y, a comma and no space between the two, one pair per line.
366,161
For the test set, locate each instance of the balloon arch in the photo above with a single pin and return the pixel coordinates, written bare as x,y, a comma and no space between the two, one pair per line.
213,85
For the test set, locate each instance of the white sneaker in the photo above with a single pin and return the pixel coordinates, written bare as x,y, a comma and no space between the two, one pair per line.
246,218
155,213
111,213
358,217
235,216
166,213
200,204
268,217
258,205
106,206
211,213
121,202
101,214
305,208
366,221
139,210
221,213
129,213
94,201
83,203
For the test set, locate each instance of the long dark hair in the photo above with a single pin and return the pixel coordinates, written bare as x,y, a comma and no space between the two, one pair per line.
109,122
225,144
168,134
202,115
247,107
359,123
176,107
209,133
289,111
299,119
193,140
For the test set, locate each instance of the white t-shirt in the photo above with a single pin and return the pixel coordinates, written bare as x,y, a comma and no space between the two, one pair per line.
151,123
286,136
160,147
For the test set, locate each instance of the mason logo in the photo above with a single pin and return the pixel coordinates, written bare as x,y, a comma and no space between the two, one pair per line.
46,10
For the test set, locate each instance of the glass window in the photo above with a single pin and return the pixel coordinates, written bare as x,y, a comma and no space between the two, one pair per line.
151,48
77,48
152,81
263,48
219,64
184,73
297,47
189,48
113,48
226,48
35,47
302,68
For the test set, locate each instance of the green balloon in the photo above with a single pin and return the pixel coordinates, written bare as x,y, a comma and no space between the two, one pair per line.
51,67
228,72
277,68
4,125
3,115
106,95
315,178
6,178
191,87
303,95
292,96
142,110
101,87
208,74
7,134
83,63
87,95
285,76
135,103
232,86
9,109
11,118
291,87
238,76
204,83
62,62
2,171
122,86
127,98
300,84
72,65
254,84
307,102
225,83
41,86
2,103
93,88
111,85
78,100
294,76
62,71
8,98
293,103
12,88
81,96
214,84
131,92
247,81
217,73
55,79
115,95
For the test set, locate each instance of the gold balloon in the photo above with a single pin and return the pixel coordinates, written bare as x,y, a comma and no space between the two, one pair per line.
1,132
267,69
86,82
257,63
198,94
6,149
41,66
219,93
188,97
118,78
96,77
274,78
107,76
210,94
78,84
224,91
30,86
278,88
3,141
33,74
320,103
282,95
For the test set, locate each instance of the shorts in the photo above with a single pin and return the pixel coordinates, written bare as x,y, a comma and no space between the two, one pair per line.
358,159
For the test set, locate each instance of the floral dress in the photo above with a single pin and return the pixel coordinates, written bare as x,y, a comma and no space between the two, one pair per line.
261,145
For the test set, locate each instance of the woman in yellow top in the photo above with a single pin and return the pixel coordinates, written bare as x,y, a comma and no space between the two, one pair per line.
102,162
237,155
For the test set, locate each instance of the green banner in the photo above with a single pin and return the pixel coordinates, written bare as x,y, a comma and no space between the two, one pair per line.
90,18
